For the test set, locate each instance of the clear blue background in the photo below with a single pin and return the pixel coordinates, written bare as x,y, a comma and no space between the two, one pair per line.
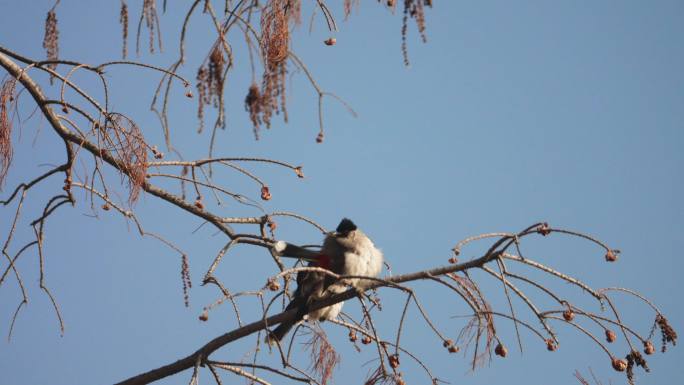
569,112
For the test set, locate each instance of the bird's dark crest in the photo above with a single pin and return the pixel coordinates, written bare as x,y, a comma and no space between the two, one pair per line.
346,226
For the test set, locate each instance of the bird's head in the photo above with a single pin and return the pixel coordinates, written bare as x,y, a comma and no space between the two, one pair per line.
345,227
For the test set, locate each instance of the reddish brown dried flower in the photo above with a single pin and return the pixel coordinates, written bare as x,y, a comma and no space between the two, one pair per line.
610,336
265,193
105,207
330,41
298,171
611,256
204,316
619,365
352,336
273,285
6,98
649,348
272,225
447,343
453,260
551,345
667,332
568,315
199,204
366,340
394,361
501,350
453,349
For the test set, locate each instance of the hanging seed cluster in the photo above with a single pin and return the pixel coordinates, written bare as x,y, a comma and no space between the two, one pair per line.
667,332
635,358
275,45
6,100
210,81
123,20
51,39
414,9
185,277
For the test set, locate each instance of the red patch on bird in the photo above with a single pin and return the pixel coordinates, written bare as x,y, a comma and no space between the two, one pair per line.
323,261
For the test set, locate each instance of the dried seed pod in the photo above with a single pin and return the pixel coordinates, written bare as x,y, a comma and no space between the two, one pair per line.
199,204
453,349
447,343
319,137
453,260
188,94
611,256
544,229
366,340
265,193
330,41
394,361
501,350
568,315
619,365
204,316
649,348
298,171
273,285
105,207
551,345
610,336
352,336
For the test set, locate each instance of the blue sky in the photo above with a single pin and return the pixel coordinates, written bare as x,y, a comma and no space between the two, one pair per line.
567,112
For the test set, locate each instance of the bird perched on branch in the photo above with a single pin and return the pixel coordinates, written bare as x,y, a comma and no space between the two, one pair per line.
346,251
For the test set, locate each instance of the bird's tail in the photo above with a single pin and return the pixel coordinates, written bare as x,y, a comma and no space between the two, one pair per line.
279,332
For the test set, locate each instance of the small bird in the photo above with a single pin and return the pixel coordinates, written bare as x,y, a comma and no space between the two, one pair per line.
346,251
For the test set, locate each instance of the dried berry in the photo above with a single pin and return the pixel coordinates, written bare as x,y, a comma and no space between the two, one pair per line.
447,343
352,336
204,316
188,94
611,256
453,349
273,285
544,229
319,138
105,207
649,348
330,41
551,345
610,336
199,204
453,260
265,193
501,350
394,361
366,340
619,365
568,315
